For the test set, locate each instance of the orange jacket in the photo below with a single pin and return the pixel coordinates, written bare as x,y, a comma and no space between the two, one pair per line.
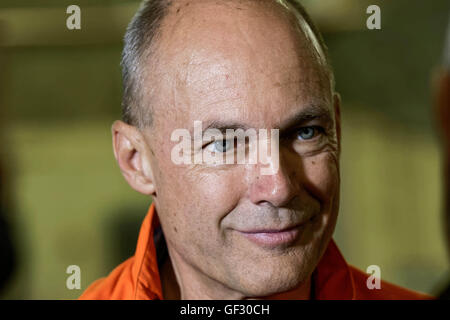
138,277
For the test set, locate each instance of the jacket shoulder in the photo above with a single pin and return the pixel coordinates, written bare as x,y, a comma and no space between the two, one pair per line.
118,285
387,291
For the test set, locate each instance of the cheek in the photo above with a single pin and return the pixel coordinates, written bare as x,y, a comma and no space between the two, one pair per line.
193,214
202,191
322,182
321,175
192,202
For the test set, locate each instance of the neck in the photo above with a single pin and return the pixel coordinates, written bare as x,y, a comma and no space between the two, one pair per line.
193,286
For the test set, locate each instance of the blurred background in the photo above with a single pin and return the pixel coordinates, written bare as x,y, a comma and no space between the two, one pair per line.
64,201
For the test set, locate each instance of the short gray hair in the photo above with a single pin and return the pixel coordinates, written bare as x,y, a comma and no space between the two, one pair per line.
140,43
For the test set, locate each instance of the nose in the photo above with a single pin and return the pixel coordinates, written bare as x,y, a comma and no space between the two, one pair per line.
277,188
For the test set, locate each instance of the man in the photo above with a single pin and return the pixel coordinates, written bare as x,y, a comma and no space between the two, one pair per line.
232,231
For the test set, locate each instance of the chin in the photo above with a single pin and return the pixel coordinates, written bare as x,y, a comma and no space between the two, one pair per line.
274,279
271,287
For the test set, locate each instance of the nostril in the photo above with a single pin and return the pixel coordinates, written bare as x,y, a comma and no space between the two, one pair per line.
276,190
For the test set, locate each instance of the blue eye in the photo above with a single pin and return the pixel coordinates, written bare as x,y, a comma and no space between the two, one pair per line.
306,133
220,146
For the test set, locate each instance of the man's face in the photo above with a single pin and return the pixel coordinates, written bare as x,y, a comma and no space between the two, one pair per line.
247,67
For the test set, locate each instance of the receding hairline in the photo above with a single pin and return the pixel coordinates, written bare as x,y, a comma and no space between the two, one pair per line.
140,115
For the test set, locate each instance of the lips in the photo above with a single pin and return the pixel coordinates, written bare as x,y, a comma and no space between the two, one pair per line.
272,238
274,230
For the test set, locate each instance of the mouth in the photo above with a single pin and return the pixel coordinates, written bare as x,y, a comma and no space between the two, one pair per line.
272,238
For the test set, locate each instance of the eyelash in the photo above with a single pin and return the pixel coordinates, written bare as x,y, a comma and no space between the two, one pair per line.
234,141
318,130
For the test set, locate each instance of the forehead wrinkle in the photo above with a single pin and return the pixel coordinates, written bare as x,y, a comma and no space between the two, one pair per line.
214,88
306,84
195,73
223,95
217,92
297,70
220,101
246,38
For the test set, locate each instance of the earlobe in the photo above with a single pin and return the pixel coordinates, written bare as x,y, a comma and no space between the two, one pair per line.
132,154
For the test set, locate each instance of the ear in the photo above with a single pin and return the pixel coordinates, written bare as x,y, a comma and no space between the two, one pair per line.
133,156
337,116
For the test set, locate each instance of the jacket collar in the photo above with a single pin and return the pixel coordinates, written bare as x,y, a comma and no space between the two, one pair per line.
332,278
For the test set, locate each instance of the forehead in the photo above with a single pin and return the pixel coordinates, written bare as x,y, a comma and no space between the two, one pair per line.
245,61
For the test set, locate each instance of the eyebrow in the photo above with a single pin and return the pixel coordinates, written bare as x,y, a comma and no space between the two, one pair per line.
307,114
223,126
